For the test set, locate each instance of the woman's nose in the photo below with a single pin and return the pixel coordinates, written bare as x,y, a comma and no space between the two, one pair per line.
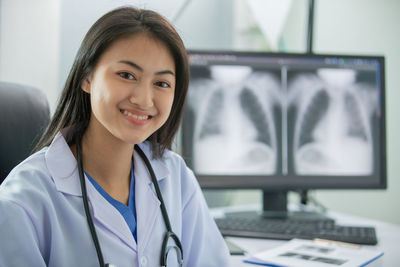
142,96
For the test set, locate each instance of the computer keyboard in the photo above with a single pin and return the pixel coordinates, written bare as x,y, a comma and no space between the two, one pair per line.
288,229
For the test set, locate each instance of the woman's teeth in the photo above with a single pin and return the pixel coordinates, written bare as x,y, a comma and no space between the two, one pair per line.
136,117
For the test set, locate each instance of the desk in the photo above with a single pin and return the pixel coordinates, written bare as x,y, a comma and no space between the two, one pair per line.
388,241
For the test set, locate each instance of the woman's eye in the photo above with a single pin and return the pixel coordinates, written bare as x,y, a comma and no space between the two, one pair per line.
162,84
126,75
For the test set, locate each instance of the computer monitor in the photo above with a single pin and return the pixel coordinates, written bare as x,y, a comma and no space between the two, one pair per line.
281,122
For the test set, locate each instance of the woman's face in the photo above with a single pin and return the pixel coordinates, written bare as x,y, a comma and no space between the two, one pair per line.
132,88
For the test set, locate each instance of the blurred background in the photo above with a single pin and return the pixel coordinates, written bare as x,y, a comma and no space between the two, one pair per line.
39,40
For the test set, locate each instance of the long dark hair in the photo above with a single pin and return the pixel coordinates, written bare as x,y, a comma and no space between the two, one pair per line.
74,107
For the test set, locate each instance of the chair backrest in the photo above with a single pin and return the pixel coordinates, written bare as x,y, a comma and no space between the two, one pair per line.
24,114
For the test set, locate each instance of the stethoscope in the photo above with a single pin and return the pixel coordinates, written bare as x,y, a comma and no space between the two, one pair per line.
165,249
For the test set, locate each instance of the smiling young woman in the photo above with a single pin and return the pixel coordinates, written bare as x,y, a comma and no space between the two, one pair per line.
132,88
103,185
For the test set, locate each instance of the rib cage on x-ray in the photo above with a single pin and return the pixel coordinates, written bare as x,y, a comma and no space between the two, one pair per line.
332,133
234,130
251,108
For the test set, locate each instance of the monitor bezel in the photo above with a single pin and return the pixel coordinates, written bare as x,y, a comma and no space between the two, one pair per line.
291,182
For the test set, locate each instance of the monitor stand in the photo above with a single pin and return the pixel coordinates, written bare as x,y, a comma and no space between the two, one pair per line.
275,207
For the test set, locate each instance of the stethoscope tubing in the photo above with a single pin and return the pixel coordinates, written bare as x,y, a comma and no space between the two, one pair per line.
86,204
164,212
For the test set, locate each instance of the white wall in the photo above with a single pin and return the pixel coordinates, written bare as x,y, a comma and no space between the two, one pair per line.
29,44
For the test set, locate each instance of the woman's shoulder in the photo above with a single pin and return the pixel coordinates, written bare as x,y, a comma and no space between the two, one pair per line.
31,166
168,157
29,178
178,168
175,163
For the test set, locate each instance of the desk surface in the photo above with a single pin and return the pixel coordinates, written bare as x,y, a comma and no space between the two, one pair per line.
388,241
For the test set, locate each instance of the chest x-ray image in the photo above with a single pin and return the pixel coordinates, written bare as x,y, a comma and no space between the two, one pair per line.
330,121
233,112
286,120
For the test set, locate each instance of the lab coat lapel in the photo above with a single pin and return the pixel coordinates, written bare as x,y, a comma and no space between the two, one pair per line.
63,168
109,216
147,203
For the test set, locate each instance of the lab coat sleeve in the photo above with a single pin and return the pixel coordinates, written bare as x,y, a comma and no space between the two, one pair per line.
203,244
19,245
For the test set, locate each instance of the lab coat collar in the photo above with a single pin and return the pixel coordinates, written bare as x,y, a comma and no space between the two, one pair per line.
161,171
63,168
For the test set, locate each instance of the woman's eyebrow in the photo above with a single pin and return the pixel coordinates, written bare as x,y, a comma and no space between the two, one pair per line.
132,64
136,66
165,72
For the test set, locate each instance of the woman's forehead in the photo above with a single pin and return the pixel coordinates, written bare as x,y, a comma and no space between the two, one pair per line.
141,48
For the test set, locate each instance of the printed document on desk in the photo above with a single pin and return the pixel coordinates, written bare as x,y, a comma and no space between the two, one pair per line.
316,253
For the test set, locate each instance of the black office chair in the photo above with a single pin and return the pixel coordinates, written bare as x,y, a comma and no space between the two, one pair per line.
24,114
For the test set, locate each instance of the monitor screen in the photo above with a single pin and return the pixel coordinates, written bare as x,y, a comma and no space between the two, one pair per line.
287,121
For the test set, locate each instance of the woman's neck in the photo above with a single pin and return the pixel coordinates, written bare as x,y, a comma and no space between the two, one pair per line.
108,160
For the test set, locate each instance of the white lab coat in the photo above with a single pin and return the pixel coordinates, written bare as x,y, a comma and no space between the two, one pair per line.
43,223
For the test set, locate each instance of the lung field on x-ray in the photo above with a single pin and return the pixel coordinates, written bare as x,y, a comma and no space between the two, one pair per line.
212,120
255,112
355,126
314,113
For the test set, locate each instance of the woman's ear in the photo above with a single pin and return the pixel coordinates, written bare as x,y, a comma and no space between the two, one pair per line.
86,85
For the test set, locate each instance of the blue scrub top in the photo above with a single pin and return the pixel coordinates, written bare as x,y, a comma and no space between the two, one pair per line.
128,212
